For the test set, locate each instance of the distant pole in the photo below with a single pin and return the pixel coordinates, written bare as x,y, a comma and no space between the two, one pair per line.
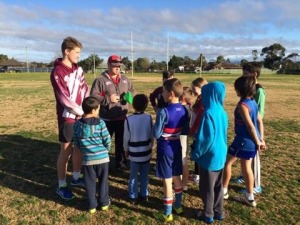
94,65
131,55
200,64
168,52
27,61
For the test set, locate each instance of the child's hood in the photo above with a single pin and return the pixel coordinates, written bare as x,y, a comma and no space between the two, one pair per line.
213,94
88,127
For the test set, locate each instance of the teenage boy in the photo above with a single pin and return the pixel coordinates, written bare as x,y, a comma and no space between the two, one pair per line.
70,88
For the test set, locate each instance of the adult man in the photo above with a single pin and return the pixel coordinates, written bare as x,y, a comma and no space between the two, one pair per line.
109,89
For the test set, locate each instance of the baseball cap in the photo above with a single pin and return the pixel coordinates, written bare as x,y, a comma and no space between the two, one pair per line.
115,60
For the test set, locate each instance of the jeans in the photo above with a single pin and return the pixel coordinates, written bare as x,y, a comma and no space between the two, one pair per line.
138,172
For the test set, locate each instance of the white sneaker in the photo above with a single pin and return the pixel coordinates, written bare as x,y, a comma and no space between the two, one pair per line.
244,199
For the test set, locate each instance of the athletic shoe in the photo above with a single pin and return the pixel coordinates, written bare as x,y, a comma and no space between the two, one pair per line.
178,210
218,217
104,208
65,193
226,195
238,180
162,217
244,199
133,201
92,211
78,183
256,190
205,219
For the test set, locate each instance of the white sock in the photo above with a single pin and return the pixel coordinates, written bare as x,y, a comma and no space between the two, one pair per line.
250,196
62,182
225,190
76,175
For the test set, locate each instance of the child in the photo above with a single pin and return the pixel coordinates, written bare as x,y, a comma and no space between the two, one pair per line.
92,138
138,142
197,111
70,88
249,137
156,98
254,69
167,128
185,100
210,149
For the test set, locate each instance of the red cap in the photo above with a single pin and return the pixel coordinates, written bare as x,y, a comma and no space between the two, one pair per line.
115,60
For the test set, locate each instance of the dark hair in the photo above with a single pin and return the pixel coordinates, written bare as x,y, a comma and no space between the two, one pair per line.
89,103
167,74
252,67
70,43
198,81
186,95
140,102
173,85
246,86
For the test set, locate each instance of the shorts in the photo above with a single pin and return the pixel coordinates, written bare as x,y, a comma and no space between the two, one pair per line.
168,165
241,153
65,133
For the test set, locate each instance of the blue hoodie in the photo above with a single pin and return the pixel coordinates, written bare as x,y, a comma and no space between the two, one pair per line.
210,148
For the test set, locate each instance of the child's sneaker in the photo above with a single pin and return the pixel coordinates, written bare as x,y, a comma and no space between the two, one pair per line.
218,217
205,219
238,180
226,195
65,193
256,190
178,210
104,208
162,217
92,211
78,183
245,200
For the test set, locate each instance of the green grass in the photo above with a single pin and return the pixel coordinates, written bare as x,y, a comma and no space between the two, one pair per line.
29,150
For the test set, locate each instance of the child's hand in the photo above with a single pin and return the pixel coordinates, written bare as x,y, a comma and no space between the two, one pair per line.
127,154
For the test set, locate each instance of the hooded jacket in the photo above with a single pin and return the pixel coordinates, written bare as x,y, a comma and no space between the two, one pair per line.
92,138
210,148
70,88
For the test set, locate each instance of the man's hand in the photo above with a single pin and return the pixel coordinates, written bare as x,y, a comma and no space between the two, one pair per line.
114,98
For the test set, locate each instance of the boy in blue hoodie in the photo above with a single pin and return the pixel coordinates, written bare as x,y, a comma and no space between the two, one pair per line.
92,138
210,150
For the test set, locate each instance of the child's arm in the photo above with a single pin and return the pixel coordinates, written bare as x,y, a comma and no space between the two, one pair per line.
160,122
261,131
244,112
260,99
105,136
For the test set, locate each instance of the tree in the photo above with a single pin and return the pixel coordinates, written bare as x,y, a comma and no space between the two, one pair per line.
126,62
175,62
3,57
254,54
220,59
243,61
273,56
88,63
142,64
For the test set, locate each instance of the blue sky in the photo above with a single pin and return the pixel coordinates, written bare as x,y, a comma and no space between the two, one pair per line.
232,28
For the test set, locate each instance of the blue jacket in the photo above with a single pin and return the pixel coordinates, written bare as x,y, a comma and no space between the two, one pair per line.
210,148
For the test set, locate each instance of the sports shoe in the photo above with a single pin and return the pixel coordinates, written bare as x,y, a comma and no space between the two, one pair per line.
92,211
65,193
205,219
178,210
226,195
256,190
218,217
162,217
238,180
104,208
244,199
78,183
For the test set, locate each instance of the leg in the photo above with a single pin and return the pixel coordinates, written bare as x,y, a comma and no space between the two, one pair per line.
207,181
103,188
248,174
76,160
90,186
168,196
256,170
219,196
119,150
178,194
227,171
133,181
144,179
62,161
185,167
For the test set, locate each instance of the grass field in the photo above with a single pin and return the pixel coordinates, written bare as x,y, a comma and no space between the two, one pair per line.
29,149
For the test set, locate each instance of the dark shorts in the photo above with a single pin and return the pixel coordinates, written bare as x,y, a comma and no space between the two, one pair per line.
168,165
65,133
241,153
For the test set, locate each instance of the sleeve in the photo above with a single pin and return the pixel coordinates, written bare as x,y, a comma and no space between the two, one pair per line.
260,100
126,136
160,122
204,137
105,136
98,91
152,97
63,96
